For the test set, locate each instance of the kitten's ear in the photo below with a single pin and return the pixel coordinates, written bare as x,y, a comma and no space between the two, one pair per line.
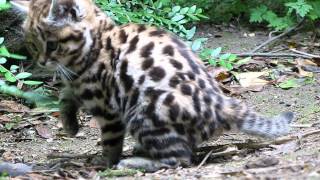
62,13
22,6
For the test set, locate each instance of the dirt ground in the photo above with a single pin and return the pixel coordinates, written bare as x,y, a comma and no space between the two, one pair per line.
295,159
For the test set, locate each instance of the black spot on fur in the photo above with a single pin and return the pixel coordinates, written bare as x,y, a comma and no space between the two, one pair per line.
169,99
202,83
97,111
87,94
133,44
174,112
147,63
113,127
134,97
153,93
153,133
126,79
168,50
176,64
179,128
174,81
159,33
123,36
146,50
196,101
191,75
207,114
111,142
207,99
141,28
98,93
157,73
142,79
186,89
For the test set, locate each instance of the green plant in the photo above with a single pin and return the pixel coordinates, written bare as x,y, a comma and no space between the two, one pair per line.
12,75
160,13
214,57
4,5
295,11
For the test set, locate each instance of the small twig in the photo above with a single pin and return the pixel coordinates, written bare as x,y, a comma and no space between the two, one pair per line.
304,53
70,156
277,37
258,145
205,159
231,150
274,55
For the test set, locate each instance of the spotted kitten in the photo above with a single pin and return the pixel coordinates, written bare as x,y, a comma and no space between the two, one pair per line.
137,79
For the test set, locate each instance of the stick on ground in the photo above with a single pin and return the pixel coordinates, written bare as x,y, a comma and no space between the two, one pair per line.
290,30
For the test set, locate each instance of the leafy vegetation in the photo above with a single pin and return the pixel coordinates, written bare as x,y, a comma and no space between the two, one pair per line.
277,15
4,5
160,13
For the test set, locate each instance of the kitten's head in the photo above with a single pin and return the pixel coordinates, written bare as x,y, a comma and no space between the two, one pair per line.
57,32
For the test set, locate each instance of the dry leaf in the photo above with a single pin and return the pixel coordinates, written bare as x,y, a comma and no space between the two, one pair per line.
4,119
12,106
219,73
251,79
43,131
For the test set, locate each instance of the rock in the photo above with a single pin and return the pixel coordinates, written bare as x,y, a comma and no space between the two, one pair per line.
262,162
17,169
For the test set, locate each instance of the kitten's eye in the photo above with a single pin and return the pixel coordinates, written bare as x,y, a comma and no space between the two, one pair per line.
52,46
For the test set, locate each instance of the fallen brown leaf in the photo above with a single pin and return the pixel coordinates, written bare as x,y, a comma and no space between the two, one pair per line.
4,119
43,131
251,79
12,106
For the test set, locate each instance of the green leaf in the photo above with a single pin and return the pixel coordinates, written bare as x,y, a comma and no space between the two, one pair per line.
175,9
291,83
212,62
196,45
32,83
4,51
184,10
190,33
225,56
177,17
17,56
23,75
14,68
3,69
1,40
216,52
9,77
192,9
257,13
3,60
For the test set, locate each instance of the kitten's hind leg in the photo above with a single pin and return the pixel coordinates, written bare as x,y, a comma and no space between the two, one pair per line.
112,135
165,147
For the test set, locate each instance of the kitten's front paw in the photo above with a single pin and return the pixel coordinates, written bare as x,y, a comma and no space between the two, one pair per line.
71,127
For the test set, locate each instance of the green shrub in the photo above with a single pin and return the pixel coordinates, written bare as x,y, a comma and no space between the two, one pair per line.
161,13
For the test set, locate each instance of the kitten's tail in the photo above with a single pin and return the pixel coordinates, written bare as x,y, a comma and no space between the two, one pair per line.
248,121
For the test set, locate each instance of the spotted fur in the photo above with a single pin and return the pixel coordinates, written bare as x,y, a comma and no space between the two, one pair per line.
137,79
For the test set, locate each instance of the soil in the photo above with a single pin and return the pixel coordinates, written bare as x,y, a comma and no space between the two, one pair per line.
298,159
